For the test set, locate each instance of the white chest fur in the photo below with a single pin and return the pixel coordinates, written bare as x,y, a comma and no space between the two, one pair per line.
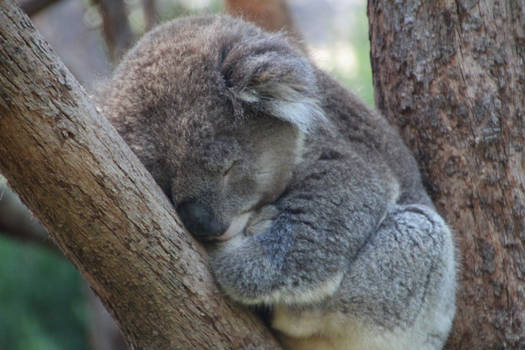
315,330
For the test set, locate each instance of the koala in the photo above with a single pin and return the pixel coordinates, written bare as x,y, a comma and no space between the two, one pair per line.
309,203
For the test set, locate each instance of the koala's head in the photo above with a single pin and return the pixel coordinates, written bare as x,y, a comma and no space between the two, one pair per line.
217,110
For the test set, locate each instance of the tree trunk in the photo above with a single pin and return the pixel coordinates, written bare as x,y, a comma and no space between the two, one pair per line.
102,207
451,75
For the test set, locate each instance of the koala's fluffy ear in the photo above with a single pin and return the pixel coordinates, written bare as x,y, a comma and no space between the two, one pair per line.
265,73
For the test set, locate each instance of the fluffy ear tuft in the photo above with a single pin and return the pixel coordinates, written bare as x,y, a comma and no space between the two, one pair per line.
266,74
286,103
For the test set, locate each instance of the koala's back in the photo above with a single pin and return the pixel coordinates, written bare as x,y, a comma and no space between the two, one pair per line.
370,135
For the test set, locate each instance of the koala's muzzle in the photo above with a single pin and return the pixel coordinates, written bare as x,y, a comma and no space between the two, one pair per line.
199,219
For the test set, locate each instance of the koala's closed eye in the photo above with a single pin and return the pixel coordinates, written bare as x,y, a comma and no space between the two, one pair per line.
231,167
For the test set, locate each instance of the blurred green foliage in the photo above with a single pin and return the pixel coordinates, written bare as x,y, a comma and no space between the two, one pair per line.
358,76
42,304
361,81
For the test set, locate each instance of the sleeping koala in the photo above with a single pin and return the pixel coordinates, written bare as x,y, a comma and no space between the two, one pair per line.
308,202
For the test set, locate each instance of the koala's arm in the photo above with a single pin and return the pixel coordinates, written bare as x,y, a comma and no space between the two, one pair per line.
397,293
411,256
322,221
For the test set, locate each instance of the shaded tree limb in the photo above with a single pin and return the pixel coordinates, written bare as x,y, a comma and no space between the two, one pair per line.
32,7
103,209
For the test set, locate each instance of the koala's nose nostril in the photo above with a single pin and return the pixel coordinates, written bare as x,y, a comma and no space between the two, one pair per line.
199,220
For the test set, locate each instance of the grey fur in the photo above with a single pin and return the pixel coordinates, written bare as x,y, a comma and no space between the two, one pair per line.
330,224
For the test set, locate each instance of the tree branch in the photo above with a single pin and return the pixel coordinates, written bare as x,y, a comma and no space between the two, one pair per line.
32,7
103,209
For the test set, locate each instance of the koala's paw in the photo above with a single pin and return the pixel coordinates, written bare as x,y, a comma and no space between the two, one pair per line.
261,220
250,223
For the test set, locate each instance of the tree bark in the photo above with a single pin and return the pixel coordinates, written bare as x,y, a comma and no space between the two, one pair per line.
103,209
451,75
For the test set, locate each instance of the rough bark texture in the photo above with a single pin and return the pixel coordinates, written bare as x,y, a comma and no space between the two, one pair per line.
451,75
102,207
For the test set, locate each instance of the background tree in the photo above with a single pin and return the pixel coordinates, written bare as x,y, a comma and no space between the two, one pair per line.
272,15
115,24
451,76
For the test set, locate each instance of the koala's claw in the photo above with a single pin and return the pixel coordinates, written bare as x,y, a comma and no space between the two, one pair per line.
261,221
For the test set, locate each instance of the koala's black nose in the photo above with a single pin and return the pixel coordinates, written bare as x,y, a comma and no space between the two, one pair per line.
199,220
